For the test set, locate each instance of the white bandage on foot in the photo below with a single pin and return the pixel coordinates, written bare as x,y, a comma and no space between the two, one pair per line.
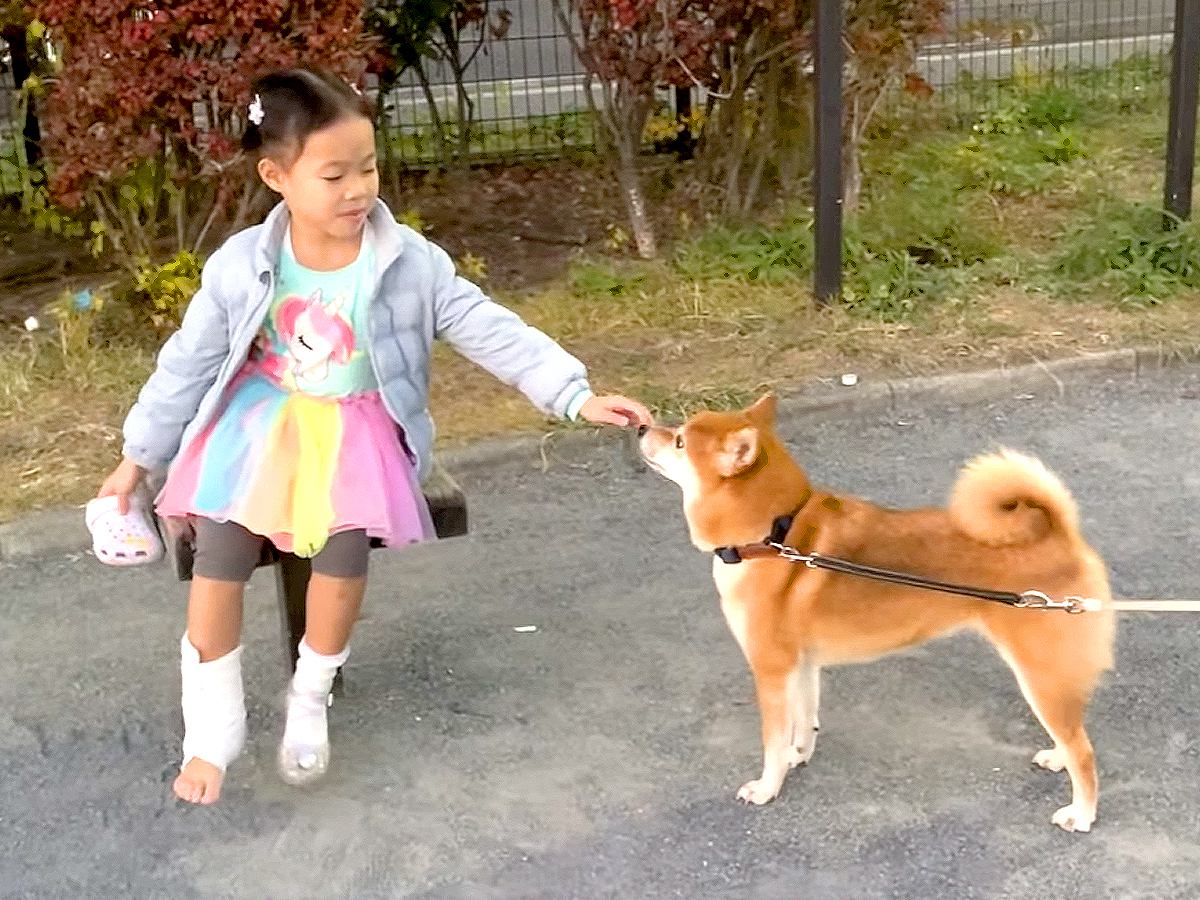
214,706
304,752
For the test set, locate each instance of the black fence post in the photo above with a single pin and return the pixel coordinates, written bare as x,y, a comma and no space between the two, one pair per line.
827,127
18,51
1181,128
685,142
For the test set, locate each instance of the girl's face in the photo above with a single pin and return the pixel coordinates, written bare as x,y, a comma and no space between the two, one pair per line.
332,185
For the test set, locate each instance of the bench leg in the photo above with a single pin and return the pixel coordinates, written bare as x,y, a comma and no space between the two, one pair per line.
291,577
292,574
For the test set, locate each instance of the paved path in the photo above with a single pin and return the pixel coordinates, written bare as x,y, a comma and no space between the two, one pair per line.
598,757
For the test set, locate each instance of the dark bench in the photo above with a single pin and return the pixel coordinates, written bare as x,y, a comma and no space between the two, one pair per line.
447,506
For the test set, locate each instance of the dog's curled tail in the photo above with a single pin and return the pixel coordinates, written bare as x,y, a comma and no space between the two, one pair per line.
1006,498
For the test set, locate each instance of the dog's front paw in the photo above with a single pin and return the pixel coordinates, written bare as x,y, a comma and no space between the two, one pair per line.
1054,759
757,792
1074,818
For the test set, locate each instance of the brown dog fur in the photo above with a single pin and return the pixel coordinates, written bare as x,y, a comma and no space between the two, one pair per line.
1010,525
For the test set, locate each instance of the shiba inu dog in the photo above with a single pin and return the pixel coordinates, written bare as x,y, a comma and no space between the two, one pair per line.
1010,526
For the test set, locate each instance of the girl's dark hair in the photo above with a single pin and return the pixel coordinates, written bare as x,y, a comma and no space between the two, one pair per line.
296,103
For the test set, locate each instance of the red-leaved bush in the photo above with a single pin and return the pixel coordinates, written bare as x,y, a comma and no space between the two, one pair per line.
142,121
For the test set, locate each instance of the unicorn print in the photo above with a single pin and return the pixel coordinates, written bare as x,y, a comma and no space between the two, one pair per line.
317,336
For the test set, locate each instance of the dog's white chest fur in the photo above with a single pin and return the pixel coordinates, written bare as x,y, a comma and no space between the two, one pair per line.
729,580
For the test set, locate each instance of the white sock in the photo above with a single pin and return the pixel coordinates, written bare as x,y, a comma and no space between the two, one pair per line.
308,697
214,706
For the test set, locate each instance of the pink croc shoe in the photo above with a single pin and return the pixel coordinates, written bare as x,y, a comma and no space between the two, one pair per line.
122,540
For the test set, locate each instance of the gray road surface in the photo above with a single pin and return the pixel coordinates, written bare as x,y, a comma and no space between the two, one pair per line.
599,756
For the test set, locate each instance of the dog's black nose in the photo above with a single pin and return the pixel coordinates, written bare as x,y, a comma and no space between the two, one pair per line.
642,429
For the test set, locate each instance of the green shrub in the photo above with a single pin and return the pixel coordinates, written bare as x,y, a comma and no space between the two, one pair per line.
1124,246
772,255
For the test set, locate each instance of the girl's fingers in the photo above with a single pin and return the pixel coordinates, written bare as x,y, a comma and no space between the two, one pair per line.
614,417
108,490
640,413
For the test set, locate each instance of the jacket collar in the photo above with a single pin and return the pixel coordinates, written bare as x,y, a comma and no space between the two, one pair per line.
389,237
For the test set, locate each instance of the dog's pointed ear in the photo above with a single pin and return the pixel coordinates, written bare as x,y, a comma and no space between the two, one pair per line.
763,410
738,451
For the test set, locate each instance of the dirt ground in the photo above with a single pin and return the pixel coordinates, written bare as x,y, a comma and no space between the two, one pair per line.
36,266
526,222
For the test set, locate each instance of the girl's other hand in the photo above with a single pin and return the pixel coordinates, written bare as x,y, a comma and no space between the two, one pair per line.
122,483
613,409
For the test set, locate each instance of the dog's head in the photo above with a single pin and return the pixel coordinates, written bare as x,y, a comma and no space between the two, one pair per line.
734,472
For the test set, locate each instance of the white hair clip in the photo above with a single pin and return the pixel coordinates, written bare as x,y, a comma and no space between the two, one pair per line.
255,111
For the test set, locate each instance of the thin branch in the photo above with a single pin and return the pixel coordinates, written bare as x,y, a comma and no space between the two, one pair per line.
208,223
767,55
696,81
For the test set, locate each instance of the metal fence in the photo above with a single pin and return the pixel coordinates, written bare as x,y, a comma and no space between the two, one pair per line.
528,90
528,96
1115,46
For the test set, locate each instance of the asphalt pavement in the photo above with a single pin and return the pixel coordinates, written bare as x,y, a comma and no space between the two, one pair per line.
598,755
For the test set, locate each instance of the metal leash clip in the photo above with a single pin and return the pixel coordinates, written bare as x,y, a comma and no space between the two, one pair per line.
1038,600
791,554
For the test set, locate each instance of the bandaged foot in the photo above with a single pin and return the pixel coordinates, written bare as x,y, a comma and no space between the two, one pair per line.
304,752
214,721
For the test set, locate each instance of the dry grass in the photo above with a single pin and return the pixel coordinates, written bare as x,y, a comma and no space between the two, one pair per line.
677,346
61,406
753,339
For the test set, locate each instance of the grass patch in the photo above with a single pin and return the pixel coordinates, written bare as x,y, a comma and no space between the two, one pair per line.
1124,249
1029,234
63,396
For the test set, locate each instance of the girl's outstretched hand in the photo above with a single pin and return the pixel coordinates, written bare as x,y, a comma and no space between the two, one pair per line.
613,409
121,483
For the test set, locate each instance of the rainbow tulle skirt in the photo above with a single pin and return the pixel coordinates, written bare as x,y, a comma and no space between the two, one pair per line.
296,468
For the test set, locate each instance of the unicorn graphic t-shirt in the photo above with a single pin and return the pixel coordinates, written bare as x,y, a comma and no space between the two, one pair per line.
304,447
315,337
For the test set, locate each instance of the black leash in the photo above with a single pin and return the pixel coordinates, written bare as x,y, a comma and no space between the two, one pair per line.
774,546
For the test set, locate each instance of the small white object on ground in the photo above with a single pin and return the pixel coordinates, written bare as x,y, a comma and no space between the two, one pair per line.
849,379
32,324
524,629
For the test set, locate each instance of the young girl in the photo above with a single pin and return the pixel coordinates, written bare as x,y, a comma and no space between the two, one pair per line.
291,406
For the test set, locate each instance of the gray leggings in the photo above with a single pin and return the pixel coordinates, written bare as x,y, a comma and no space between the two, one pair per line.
225,551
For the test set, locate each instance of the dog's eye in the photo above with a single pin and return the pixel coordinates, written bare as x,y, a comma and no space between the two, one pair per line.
679,442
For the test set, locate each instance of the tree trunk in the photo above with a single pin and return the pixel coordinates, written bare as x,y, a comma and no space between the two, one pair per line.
464,109
390,170
635,201
435,117
852,178
466,120
795,136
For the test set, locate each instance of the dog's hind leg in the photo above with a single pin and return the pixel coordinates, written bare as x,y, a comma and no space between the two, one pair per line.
1059,700
805,692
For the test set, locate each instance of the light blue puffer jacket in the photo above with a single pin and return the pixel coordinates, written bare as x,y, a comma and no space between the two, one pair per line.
418,298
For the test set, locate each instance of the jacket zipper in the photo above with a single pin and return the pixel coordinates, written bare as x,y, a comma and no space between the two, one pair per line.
371,304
